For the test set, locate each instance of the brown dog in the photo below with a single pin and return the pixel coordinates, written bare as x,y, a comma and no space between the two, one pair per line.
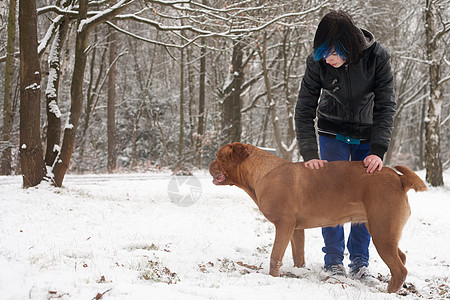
294,197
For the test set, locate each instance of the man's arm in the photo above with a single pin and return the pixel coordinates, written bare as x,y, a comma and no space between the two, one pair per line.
384,105
305,110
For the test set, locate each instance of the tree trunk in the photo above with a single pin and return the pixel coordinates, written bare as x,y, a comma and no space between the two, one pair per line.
433,161
8,115
32,162
191,103
52,91
201,104
232,103
163,139
181,133
134,154
265,125
423,111
76,95
201,107
111,123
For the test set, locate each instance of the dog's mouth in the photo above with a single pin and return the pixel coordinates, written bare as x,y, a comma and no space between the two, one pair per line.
219,178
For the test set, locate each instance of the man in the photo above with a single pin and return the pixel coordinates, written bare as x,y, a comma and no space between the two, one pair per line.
351,74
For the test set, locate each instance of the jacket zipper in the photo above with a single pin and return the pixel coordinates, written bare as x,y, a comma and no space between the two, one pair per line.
349,85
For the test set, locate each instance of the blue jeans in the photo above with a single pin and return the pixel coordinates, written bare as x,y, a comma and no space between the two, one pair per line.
359,238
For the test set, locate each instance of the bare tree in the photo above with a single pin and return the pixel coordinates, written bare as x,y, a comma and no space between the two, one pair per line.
201,107
52,92
181,128
8,115
85,25
112,153
232,103
93,90
31,158
433,161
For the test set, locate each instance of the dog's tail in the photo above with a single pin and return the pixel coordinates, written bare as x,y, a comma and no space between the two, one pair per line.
410,180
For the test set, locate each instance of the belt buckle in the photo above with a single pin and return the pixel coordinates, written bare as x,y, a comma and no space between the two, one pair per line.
347,139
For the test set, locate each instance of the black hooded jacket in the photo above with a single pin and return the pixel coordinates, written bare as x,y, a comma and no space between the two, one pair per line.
356,100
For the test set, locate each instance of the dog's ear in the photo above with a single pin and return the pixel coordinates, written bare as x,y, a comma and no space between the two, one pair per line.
239,152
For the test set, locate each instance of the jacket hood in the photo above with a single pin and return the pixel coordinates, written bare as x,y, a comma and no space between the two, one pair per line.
367,39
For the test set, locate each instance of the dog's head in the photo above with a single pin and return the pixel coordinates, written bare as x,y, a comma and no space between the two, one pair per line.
224,168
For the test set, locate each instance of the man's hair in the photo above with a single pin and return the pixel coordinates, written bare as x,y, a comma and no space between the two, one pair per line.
336,30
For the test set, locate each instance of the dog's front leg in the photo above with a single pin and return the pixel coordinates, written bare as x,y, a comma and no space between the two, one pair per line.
283,235
298,248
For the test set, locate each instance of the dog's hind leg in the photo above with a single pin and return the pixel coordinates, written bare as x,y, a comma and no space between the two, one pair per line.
386,231
400,252
388,251
386,220
298,248
284,233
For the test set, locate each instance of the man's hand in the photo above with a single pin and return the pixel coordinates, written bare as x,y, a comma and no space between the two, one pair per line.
315,163
372,163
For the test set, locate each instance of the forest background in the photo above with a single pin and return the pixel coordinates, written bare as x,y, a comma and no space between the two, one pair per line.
135,85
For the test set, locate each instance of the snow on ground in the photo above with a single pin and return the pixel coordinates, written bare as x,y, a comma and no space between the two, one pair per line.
126,237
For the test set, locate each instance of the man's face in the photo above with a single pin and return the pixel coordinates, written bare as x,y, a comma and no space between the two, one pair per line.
334,59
